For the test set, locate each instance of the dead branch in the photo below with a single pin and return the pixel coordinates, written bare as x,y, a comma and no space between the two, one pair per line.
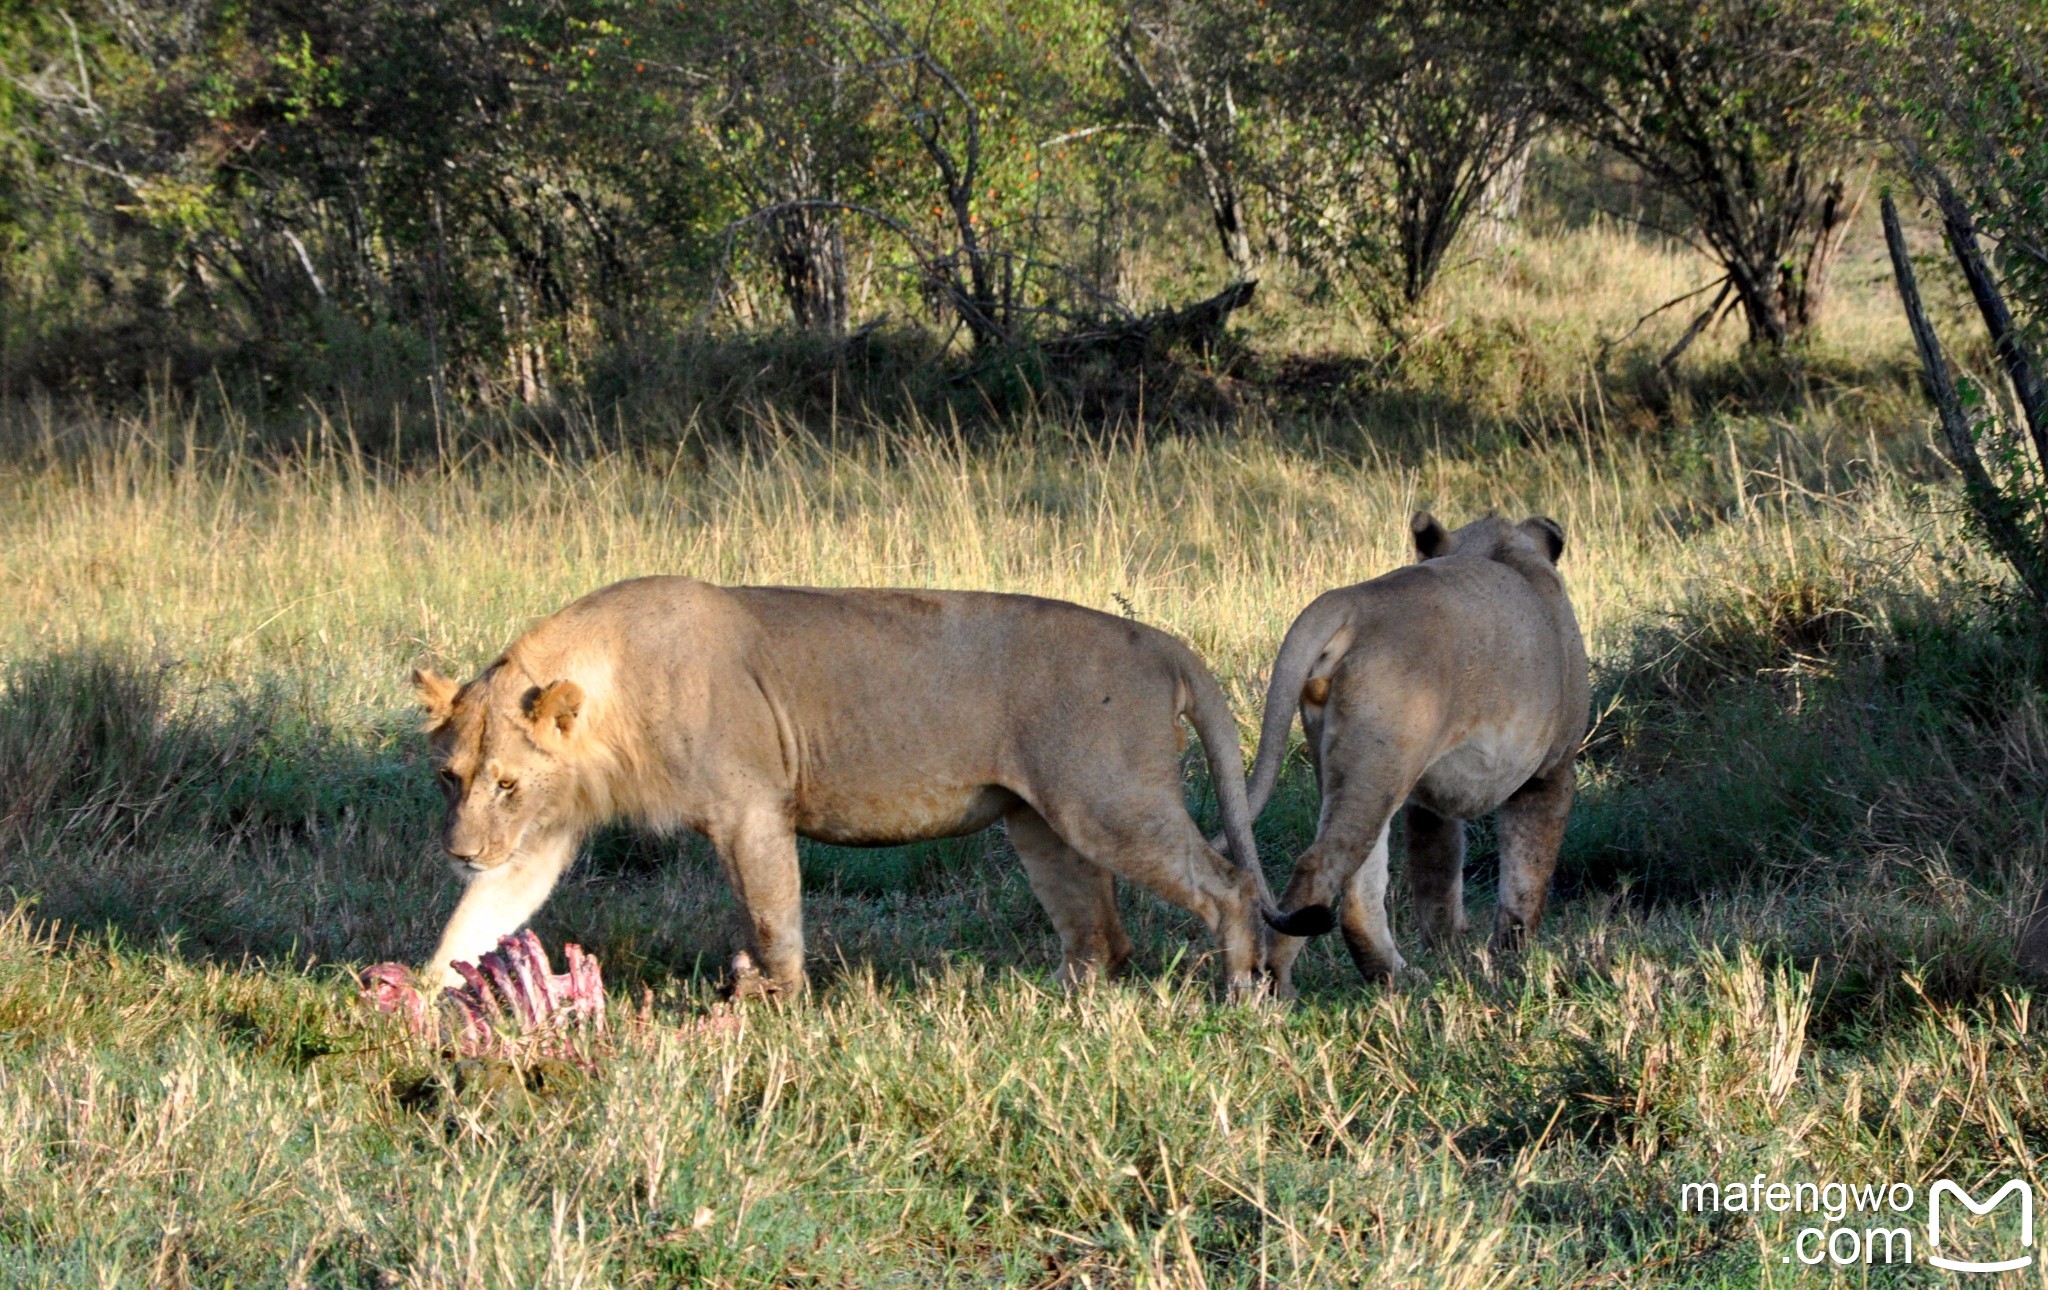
2020,369
1993,508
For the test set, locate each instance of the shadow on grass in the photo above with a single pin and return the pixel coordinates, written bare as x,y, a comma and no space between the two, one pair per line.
1796,740
1753,383
1883,774
1789,731
138,804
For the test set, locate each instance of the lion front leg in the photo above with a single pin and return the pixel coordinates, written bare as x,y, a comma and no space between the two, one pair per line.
759,855
497,903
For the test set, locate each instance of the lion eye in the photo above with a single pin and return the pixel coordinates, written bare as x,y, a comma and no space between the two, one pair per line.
507,785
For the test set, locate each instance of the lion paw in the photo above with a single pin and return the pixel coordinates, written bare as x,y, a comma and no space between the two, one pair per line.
747,981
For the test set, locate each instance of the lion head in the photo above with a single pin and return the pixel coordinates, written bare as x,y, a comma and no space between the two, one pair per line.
502,750
1489,535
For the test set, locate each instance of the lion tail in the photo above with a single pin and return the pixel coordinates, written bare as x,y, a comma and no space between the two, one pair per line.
1322,629
1206,707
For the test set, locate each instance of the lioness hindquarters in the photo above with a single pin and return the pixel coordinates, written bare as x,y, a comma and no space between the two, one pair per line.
1457,685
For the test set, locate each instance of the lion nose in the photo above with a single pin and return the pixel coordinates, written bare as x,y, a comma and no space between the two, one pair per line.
461,848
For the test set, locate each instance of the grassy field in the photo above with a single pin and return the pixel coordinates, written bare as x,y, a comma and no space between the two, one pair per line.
1811,814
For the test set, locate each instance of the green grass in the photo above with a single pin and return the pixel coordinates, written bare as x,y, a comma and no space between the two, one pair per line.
1811,815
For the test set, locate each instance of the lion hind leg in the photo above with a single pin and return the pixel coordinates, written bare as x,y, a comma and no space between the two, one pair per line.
1077,894
1352,837
1152,842
1436,875
1284,949
1531,832
1367,933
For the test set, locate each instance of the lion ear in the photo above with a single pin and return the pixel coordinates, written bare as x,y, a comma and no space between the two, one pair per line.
1549,535
1430,539
558,704
436,694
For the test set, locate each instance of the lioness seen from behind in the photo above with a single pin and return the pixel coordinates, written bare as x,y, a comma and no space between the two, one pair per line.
1456,685
755,715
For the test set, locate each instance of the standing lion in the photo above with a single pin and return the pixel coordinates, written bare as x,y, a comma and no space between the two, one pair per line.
1456,685
755,715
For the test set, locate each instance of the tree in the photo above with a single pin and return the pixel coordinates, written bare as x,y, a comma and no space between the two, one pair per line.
1732,108
1959,89
787,126
1184,64
1387,125
267,174
964,95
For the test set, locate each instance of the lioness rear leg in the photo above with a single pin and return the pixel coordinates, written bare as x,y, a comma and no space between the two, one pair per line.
1363,917
1531,831
1152,842
1436,875
1351,848
1079,895
759,857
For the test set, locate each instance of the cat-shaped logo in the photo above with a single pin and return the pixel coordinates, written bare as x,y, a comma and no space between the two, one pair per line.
1934,1195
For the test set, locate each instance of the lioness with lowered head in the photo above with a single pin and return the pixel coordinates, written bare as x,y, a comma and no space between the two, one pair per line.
754,715
1456,685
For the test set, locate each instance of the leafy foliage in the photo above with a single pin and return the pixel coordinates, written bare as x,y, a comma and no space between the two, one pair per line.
1389,125
1734,110
1959,91
491,196
1964,89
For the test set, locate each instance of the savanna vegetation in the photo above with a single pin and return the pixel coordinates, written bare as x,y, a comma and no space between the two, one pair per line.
338,339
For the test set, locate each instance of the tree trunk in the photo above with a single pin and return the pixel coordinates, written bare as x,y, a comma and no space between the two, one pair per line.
1226,211
2013,354
1995,510
1501,205
1780,274
1756,288
1802,287
809,252
976,300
